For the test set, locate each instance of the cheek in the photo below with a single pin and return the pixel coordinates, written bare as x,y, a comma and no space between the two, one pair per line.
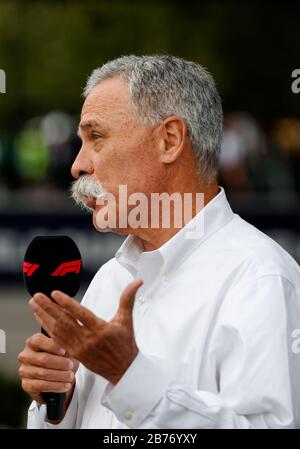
129,163
139,171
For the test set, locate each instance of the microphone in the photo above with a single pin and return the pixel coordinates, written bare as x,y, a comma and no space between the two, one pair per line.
52,263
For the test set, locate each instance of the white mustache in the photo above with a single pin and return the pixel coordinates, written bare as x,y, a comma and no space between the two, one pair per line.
85,187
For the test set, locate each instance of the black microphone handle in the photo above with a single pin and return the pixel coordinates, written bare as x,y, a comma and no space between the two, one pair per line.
54,401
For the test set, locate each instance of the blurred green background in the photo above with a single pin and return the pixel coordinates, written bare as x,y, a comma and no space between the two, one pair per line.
48,49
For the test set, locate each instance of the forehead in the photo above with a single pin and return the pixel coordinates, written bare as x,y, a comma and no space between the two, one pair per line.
108,100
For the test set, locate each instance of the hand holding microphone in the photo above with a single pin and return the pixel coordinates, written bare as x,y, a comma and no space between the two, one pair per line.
47,373
45,369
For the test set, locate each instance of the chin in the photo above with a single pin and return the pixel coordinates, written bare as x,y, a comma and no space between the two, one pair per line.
119,231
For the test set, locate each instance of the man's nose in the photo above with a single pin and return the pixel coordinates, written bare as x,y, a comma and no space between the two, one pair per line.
81,165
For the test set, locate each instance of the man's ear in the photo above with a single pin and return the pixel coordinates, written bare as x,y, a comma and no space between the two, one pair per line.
173,134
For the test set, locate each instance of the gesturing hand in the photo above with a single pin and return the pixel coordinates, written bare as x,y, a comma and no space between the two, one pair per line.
106,348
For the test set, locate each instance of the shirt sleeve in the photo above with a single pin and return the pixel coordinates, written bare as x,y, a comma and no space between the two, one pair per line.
37,415
256,371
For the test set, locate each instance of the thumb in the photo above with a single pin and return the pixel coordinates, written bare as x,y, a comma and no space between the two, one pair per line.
127,301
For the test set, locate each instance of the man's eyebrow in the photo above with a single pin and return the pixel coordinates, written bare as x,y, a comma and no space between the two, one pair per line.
88,124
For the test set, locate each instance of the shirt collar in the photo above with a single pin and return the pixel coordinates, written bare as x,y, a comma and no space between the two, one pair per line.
216,214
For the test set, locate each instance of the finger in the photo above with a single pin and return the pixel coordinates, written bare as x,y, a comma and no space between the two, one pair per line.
38,320
77,311
40,342
50,375
45,320
45,360
57,323
127,300
37,386
47,304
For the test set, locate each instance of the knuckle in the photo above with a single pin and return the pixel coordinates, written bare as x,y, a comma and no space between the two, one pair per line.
67,386
70,376
32,341
43,359
66,364
38,386
21,357
42,374
26,385
35,339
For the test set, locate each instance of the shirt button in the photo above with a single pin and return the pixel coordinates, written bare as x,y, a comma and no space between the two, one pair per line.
164,278
127,415
141,300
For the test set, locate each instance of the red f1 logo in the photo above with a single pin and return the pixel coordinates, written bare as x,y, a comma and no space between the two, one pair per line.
29,268
67,267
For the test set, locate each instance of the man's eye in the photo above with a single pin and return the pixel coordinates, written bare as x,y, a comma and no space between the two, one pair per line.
96,136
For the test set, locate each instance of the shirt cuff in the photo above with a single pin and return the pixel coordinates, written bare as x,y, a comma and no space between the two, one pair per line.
37,415
137,392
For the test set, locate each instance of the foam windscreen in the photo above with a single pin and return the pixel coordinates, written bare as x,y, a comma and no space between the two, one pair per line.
52,263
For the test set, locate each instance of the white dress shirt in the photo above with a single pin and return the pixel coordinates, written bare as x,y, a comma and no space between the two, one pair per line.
214,324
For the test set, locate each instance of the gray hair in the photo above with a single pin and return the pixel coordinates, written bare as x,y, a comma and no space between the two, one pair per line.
163,85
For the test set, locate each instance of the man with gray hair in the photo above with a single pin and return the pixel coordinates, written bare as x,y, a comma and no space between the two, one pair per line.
180,329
